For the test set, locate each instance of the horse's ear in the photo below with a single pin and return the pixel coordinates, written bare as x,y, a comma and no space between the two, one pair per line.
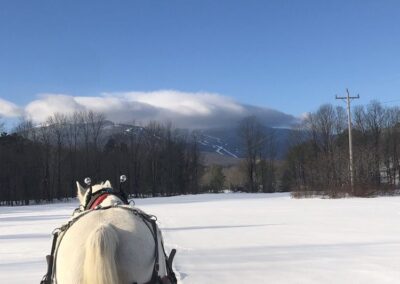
107,184
80,191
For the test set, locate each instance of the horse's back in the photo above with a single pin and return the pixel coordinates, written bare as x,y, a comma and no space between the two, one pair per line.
134,255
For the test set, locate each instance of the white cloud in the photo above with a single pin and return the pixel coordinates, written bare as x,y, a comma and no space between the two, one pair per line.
9,109
48,104
183,109
187,104
102,104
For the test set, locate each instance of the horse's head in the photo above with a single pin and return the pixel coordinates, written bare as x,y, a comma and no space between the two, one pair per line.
83,192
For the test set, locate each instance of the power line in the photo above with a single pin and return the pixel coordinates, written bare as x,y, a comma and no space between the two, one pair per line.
348,99
392,101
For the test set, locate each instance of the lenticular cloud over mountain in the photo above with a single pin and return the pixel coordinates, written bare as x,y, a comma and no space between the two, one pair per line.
183,109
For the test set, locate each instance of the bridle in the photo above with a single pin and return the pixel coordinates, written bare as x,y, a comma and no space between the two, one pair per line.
95,199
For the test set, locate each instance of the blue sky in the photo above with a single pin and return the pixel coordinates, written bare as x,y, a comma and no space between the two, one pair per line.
290,56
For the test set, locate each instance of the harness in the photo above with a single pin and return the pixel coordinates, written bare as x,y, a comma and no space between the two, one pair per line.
93,204
93,200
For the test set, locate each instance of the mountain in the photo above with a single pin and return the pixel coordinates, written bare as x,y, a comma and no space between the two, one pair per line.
222,145
223,142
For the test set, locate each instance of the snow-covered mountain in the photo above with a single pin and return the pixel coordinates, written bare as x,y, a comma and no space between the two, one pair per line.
224,142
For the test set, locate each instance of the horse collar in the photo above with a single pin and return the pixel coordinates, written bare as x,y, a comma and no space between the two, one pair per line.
96,198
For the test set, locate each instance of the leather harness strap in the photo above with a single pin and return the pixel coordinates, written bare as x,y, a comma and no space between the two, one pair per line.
92,197
50,261
99,200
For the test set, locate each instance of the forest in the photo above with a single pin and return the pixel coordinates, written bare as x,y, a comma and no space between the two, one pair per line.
42,163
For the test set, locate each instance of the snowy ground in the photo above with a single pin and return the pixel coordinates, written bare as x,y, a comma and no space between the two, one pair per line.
238,238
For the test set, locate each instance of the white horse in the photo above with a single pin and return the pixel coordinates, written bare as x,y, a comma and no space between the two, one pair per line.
108,246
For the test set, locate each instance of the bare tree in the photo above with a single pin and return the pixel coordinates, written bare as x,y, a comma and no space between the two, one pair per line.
136,136
73,140
253,137
26,129
57,124
369,126
44,135
194,160
267,171
391,146
96,123
92,126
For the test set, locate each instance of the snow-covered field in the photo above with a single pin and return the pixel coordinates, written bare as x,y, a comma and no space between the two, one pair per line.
238,238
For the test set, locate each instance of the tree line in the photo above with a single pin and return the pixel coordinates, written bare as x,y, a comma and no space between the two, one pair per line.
43,163
318,161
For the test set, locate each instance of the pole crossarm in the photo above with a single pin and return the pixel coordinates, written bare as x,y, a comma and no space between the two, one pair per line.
345,98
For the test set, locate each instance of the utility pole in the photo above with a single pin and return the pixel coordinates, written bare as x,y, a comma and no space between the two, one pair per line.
349,98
